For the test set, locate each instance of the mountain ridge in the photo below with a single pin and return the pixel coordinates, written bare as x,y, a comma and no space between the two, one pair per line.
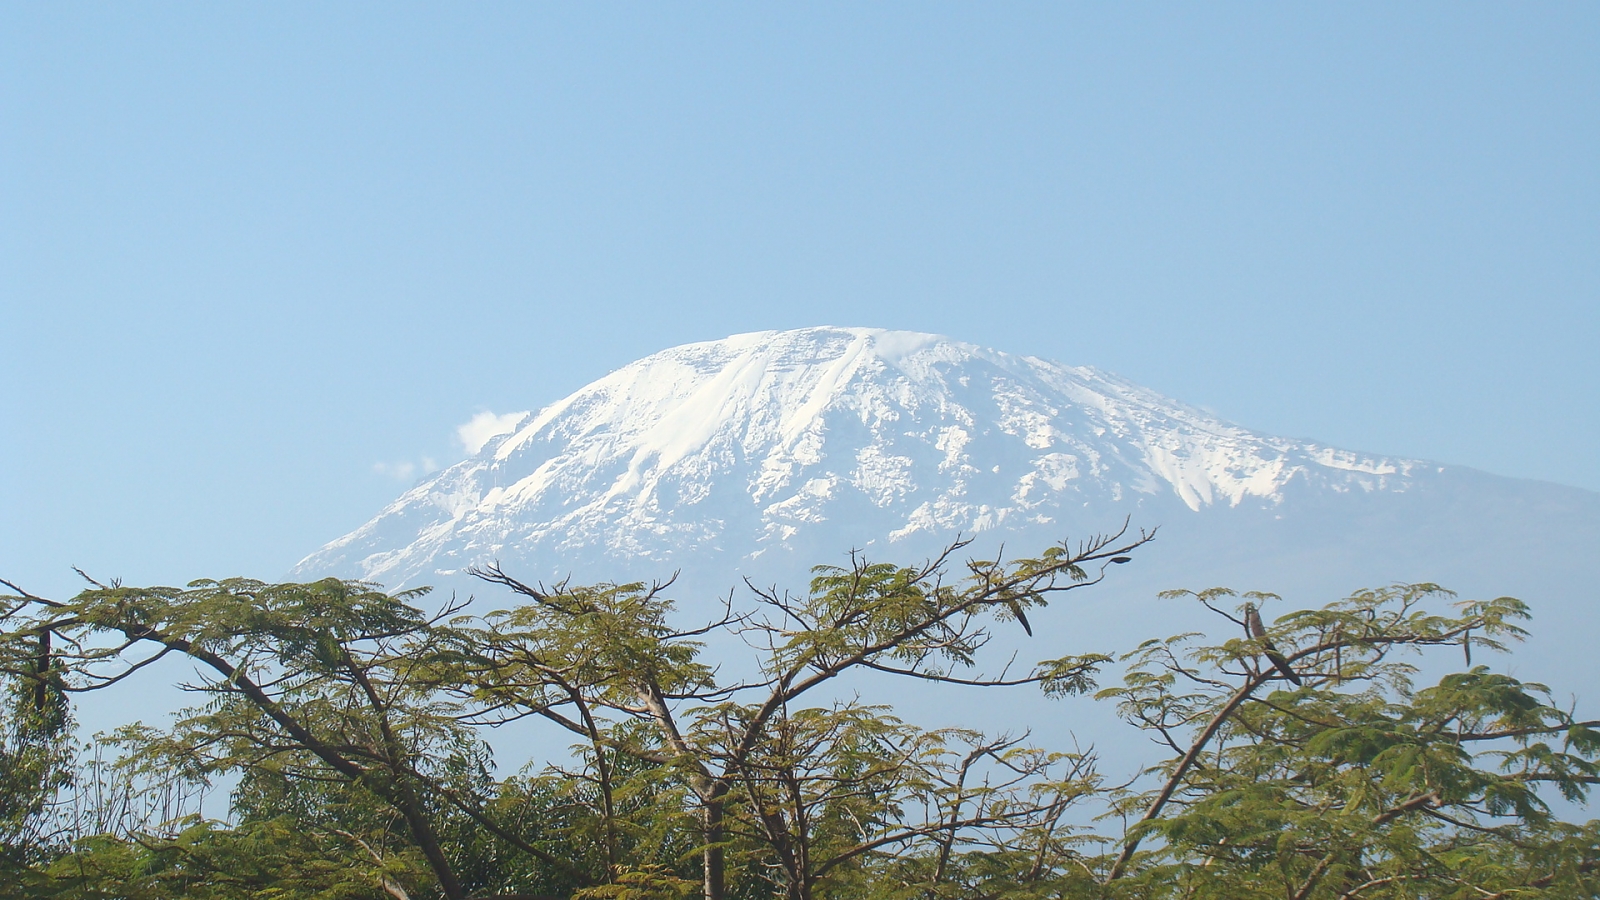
768,440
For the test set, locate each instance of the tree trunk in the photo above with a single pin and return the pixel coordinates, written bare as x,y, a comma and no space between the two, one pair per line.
712,862
428,842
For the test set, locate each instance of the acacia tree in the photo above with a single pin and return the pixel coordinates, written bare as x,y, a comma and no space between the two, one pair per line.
330,684
1347,781
36,743
851,802
576,656
1304,762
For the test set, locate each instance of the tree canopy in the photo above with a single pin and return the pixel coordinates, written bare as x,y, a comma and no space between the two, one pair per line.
353,730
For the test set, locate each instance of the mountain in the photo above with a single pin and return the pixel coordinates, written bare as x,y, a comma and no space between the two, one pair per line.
763,454
830,437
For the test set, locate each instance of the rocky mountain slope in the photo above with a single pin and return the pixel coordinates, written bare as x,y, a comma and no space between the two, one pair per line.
791,444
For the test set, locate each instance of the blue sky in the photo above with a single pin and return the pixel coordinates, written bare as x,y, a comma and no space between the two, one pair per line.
256,260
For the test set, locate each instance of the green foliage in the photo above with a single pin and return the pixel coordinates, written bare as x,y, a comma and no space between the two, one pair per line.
37,751
1304,761
279,859
1354,781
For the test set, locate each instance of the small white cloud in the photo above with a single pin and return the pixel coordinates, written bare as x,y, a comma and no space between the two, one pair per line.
485,425
399,471
406,470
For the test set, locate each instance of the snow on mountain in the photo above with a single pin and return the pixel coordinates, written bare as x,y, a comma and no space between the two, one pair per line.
798,445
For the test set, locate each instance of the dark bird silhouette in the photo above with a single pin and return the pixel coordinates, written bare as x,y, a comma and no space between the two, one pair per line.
1016,610
1252,623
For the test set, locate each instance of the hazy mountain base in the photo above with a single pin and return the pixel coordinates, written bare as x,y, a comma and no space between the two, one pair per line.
1477,534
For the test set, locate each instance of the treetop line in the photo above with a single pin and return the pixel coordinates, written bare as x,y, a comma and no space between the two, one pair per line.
1299,759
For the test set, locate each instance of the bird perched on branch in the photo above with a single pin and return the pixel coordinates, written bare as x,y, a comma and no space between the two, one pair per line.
1252,623
1016,612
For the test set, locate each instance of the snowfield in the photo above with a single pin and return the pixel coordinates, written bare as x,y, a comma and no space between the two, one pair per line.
843,436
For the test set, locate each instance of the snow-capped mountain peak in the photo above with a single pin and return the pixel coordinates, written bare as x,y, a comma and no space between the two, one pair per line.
793,441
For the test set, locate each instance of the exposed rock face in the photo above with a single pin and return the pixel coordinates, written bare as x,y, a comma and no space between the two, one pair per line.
817,440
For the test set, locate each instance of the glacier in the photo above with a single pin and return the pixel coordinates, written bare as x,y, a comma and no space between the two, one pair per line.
822,439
